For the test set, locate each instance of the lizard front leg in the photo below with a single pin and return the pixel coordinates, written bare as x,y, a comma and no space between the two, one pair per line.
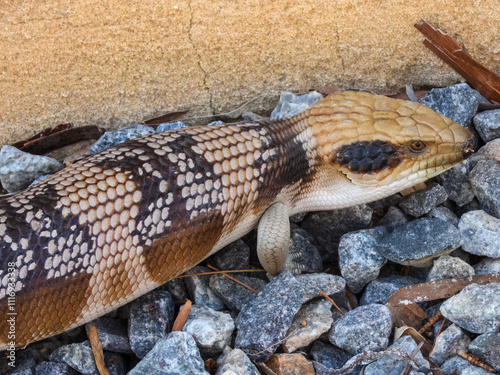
273,238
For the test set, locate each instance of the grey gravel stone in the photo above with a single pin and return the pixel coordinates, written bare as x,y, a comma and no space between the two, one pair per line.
456,183
113,334
312,284
329,355
77,356
485,181
490,151
170,126
328,226
54,368
423,201
151,318
447,267
19,169
419,241
396,362
487,265
235,362
389,364
448,343
487,124
264,321
235,295
359,260
481,233
487,348
211,329
463,367
235,256
312,320
177,289
302,252
476,308
291,104
445,214
177,354
366,328
199,289
115,363
115,137
406,346
23,367
391,200
458,102
381,289
252,117
393,219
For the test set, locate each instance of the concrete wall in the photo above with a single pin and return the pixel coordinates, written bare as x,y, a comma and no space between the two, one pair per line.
115,62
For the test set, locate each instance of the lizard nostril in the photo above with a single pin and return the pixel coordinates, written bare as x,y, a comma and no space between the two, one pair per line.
468,148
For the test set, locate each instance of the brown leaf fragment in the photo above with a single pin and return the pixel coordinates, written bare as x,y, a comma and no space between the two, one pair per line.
447,49
96,344
55,140
45,132
167,117
401,300
182,317
416,336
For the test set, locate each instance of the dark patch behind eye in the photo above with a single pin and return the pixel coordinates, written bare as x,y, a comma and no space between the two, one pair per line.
367,156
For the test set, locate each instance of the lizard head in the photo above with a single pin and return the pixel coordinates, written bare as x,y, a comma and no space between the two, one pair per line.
382,145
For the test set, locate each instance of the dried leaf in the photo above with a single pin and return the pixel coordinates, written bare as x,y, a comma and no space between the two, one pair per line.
96,344
55,140
167,117
182,317
446,48
419,339
45,132
402,302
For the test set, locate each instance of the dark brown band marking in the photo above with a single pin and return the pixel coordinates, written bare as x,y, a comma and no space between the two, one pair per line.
367,156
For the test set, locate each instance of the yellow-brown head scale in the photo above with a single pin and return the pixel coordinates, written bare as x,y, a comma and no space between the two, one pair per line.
383,145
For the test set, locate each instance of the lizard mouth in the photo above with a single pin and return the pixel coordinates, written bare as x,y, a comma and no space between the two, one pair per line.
469,147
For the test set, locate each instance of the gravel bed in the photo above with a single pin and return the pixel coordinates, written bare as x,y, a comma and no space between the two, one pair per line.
358,257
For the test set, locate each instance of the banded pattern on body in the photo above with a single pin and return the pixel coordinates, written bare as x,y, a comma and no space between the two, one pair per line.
112,227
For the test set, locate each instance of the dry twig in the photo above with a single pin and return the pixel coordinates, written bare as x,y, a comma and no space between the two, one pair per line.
447,49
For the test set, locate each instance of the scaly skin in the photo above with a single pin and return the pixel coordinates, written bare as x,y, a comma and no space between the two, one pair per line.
114,226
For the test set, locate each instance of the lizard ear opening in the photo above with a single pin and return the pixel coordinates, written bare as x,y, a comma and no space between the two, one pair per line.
367,157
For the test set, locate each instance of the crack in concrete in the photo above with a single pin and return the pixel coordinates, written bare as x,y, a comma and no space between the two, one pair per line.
337,35
205,74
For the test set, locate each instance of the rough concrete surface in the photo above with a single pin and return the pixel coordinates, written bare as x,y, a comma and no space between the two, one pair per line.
117,62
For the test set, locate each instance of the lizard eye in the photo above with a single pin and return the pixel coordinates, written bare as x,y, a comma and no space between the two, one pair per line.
417,146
